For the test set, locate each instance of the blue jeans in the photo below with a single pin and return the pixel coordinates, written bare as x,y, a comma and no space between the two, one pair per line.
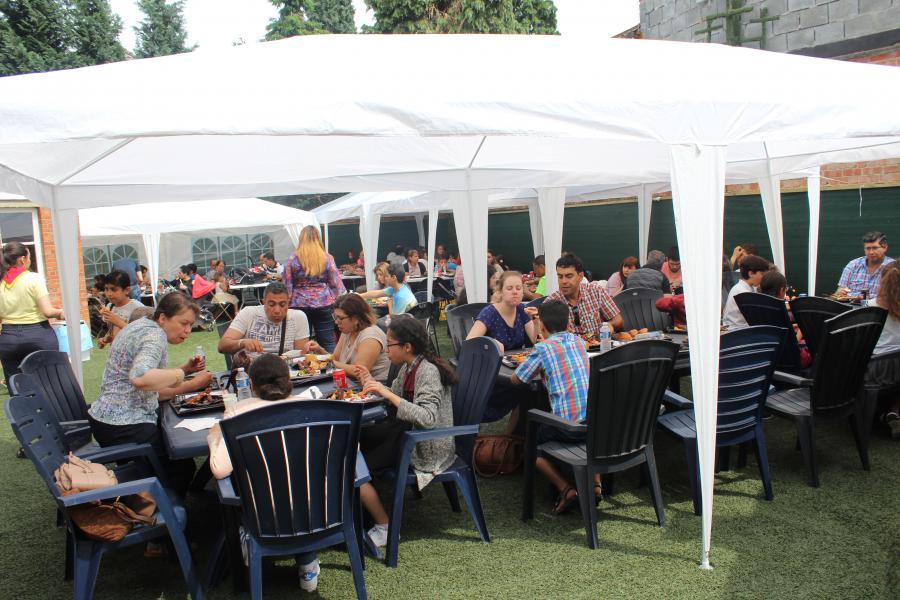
136,291
322,322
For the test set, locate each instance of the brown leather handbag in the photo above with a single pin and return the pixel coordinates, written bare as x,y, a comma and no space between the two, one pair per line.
498,454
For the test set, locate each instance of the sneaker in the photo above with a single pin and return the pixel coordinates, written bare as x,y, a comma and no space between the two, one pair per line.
892,420
309,576
379,535
245,553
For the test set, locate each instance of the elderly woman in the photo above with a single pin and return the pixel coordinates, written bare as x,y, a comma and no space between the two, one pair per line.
136,380
363,345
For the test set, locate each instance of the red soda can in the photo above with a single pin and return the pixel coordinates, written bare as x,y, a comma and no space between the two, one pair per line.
340,378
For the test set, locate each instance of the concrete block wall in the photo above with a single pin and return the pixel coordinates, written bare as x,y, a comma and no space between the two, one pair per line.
802,23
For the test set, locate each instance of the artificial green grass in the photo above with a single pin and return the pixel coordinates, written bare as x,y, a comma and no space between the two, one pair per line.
838,541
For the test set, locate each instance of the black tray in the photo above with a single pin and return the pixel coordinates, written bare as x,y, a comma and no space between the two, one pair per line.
305,379
181,409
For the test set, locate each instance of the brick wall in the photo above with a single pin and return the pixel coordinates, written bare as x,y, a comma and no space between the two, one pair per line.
51,270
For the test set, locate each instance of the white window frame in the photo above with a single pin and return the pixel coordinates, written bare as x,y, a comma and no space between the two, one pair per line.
8,207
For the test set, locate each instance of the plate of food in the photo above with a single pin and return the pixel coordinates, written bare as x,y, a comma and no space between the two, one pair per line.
311,367
591,340
211,398
514,358
353,395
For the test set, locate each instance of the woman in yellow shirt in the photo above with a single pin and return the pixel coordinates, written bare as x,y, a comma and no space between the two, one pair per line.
24,310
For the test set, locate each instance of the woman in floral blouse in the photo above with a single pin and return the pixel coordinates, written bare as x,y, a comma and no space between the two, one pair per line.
313,282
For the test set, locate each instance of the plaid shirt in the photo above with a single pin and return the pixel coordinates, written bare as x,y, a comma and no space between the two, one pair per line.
594,306
856,277
564,360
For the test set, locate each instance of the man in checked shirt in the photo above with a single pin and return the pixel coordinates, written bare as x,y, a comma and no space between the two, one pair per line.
589,303
862,276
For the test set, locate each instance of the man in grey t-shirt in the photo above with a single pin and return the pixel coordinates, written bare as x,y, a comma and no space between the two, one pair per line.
257,329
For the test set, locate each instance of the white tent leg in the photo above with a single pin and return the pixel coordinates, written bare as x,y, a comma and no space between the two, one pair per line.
537,232
420,229
432,242
369,228
327,241
813,193
770,190
65,238
698,192
470,213
151,249
645,208
552,203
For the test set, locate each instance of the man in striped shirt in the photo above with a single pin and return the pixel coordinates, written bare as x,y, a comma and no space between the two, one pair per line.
563,359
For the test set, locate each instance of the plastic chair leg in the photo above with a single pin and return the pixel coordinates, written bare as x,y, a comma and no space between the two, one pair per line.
87,565
585,485
468,485
356,562
393,546
450,490
183,552
805,433
742,456
861,438
528,472
215,566
256,583
724,459
69,572
693,467
762,459
655,491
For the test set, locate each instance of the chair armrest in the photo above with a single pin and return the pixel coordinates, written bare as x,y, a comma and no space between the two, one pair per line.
149,484
676,400
79,424
544,418
226,493
126,451
374,413
791,379
421,435
453,362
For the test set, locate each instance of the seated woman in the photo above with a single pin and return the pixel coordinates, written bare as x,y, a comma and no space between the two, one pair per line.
413,265
222,293
505,319
400,297
421,395
616,281
363,345
136,381
270,381
884,366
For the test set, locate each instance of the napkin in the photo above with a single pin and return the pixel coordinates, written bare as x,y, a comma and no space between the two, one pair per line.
198,423
311,393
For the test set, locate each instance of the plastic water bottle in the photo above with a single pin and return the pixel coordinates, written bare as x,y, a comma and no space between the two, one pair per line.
242,383
605,337
200,355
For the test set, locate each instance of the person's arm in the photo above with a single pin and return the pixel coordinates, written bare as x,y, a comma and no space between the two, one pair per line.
373,294
422,412
335,281
527,370
219,459
367,352
531,330
197,382
479,329
48,310
234,341
114,320
617,322
844,281
736,256
287,276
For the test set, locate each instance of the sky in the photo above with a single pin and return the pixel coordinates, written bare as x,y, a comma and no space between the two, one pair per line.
218,23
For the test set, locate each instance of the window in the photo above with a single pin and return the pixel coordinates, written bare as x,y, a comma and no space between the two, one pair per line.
122,251
204,250
20,225
259,244
98,260
235,250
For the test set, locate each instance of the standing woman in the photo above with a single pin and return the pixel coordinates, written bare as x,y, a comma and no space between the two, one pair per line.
313,283
24,309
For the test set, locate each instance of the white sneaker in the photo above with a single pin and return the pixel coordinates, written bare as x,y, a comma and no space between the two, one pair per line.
379,535
309,576
245,552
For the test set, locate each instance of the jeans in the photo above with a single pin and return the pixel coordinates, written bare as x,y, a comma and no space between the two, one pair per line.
136,291
18,341
322,322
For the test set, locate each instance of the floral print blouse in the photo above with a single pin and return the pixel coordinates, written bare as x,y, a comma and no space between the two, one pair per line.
318,291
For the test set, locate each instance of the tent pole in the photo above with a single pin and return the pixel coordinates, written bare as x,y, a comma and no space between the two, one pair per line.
813,193
645,208
65,238
432,242
552,203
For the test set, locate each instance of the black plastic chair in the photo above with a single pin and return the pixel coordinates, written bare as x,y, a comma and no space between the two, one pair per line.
222,328
428,313
845,348
746,363
626,391
35,426
762,309
52,371
810,313
479,362
638,307
536,302
294,465
460,321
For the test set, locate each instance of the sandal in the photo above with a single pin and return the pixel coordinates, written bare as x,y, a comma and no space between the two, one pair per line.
598,494
564,501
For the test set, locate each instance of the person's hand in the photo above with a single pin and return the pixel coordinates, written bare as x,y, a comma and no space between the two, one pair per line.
313,347
842,292
194,365
102,342
199,381
250,345
532,312
375,387
361,373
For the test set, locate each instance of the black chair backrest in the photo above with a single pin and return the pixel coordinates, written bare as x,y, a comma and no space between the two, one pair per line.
811,312
421,296
53,372
626,390
844,353
423,310
222,328
536,302
746,363
21,384
460,321
249,297
479,362
39,433
294,463
762,309
638,307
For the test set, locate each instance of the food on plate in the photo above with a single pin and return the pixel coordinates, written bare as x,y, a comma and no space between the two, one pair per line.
625,336
590,339
312,364
207,396
346,394
517,357
643,330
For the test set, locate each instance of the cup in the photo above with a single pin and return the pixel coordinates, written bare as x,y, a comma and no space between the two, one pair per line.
230,404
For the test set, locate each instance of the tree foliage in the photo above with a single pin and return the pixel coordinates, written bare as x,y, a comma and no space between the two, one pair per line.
463,16
305,17
162,30
46,35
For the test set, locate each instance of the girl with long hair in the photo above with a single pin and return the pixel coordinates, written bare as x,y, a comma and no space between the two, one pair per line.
313,282
616,281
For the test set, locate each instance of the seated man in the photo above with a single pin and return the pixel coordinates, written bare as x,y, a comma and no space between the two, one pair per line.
672,269
400,298
589,303
650,275
274,269
563,360
752,270
270,328
118,313
536,287
862,276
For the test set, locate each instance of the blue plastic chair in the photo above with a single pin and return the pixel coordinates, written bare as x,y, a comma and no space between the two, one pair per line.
460,321
479,362
762,309
52,371
746,363
294,465
37,429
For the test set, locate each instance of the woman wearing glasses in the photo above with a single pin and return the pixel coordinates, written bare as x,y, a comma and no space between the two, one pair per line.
362,344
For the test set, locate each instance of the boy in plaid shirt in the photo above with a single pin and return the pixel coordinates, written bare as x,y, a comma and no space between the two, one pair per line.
562,358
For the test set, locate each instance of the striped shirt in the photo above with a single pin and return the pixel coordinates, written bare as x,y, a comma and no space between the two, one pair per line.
564,360
856,276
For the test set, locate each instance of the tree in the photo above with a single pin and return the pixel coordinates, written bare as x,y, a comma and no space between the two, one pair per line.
305,17
462,16
335,16
162,31
46,35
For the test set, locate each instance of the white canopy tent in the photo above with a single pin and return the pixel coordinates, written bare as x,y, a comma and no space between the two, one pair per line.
565,112
164,230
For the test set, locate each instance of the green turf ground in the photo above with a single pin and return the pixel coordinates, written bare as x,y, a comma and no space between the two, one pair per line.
838,541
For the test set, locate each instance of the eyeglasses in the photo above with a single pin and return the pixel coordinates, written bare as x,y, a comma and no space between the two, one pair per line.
394,344
338,319
576,318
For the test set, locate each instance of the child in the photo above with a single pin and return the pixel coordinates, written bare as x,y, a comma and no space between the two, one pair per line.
118,313
562,357
400,297
774,284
